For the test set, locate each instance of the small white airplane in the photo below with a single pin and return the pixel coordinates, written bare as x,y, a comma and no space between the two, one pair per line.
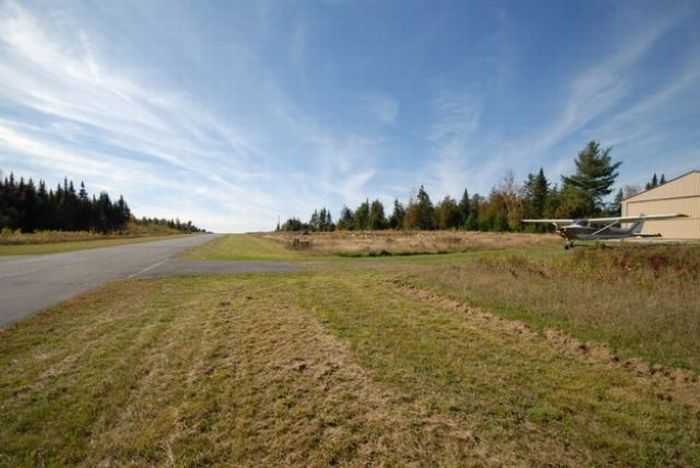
602,228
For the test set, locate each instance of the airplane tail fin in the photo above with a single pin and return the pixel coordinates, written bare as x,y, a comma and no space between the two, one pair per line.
637,227
636,230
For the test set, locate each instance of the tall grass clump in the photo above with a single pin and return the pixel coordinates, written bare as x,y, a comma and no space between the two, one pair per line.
642,300
647,265
662,265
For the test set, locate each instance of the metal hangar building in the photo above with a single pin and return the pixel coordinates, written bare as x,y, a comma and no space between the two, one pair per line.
680,195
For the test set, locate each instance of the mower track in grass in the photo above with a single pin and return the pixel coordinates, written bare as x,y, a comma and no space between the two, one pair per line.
309,370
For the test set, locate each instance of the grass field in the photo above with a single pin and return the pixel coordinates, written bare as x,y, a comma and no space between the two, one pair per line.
387,243
69,246
477,358
639,311
242,247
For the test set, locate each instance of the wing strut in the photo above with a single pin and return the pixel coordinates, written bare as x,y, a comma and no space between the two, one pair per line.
607,226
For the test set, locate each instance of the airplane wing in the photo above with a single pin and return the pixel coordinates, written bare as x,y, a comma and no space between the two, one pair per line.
631,219
548,221
612,219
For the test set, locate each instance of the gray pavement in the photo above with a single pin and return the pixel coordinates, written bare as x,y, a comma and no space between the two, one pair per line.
30,283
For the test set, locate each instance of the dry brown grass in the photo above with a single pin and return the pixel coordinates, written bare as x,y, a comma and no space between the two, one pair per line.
379,243
44,242
10,237
674,383
643,301
69,246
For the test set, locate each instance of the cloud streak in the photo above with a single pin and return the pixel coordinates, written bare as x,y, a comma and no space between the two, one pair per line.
75,99
596,104
79,99
382,106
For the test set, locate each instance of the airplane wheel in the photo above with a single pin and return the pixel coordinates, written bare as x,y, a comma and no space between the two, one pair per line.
566,247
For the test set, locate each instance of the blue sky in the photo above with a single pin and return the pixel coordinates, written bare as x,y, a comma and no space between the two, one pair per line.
231,113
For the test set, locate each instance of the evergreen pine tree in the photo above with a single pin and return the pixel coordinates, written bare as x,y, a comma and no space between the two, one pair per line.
539,192
593,180
464,208
396,220
448,214
43,207
124,214
536,190
427,219
293,224
361,217
314,222
376,219
346,219
617,204
326,220
472,223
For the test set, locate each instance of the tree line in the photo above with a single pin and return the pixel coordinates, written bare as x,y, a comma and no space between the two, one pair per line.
655,182
32,207
580,194
186,227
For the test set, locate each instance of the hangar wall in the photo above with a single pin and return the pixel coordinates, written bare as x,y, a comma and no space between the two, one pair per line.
679,195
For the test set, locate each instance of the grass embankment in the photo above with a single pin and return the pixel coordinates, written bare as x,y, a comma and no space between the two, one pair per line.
42,242
312,369
68,246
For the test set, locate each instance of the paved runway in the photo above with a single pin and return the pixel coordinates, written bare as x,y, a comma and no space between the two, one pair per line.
30,283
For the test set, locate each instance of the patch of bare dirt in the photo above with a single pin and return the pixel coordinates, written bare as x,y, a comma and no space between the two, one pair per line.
671,383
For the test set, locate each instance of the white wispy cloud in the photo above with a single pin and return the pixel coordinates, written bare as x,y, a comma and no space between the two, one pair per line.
645,115
597,90
298,47
59,78
342,164
595,102
49,154
382,106
214,171
600,88
452,133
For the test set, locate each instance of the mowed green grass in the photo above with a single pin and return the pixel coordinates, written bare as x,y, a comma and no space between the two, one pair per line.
57,247
312,369
545,287
242,247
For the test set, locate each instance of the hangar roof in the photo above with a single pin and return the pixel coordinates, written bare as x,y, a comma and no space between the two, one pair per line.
645,192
